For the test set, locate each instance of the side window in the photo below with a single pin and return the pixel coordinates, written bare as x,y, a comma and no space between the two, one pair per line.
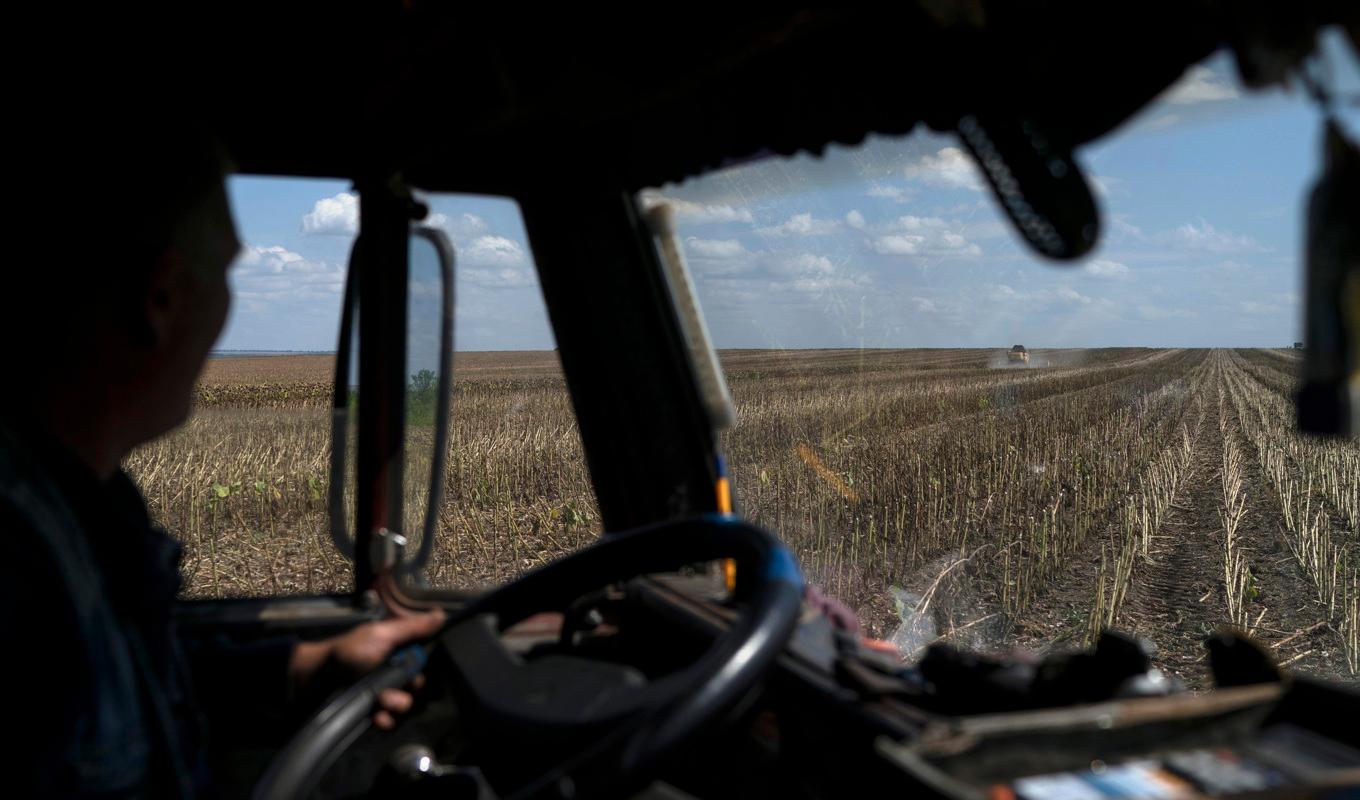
516,491
242,484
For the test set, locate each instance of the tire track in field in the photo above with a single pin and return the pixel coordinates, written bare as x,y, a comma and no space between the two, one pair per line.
1060,617
1128,390
1286,603
1179,597
1172,601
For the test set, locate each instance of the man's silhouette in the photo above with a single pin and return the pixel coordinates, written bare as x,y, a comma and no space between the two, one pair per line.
108,324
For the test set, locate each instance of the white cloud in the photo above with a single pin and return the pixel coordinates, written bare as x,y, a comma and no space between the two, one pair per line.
897,245
1071,296
264,274
1122,229
930,241
698,213
498,277
265,259
1036,300
1105,185
1206,237
495,262
1199,85
333,216
276,260
855,219
1163,121
805,264
485,260
953,243
801,225
894,193
720,249
950,168
914,223
825,283
1105,268
460,228
810,273
494,251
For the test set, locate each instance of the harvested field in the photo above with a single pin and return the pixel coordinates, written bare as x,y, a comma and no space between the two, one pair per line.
941,493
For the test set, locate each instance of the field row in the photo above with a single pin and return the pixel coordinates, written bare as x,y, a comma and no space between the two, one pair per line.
938,494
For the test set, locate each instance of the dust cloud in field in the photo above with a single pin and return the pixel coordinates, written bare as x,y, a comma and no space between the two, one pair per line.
1002,361
1065,359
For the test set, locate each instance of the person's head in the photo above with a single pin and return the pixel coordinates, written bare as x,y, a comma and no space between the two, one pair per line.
118,321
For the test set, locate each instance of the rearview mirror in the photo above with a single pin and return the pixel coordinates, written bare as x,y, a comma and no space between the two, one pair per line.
429,370
344,412
429,355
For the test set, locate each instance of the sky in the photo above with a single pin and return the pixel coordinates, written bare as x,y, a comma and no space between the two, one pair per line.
892,243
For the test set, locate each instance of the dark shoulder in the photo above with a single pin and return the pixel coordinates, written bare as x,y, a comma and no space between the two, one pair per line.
41,555
38,608
30,504
29,575
42,532
39,621
83,721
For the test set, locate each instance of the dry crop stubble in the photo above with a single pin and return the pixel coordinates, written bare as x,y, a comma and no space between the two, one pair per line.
895,475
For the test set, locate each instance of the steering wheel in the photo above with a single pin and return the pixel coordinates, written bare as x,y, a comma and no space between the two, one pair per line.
572,726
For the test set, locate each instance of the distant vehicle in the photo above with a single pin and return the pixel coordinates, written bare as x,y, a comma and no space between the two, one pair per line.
1298,345
1018,355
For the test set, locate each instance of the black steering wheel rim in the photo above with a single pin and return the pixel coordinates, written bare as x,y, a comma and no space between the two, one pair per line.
769,583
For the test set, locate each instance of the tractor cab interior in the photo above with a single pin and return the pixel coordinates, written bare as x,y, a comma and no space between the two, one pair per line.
682,655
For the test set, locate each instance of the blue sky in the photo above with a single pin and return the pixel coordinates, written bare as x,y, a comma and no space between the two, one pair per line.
894,243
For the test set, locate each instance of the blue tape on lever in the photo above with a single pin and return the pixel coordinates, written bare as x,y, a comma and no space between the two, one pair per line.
411,659
782,566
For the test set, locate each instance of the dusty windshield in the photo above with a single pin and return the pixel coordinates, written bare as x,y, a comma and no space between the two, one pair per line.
967,444
962,442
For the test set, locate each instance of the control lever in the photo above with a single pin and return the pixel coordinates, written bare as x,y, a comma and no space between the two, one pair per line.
415,767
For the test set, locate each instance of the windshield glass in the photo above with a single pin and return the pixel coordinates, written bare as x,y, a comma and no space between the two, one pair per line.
967,444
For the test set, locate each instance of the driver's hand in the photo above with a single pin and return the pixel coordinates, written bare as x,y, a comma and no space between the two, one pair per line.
362,649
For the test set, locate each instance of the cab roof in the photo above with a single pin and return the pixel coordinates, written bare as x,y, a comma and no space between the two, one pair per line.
492,101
